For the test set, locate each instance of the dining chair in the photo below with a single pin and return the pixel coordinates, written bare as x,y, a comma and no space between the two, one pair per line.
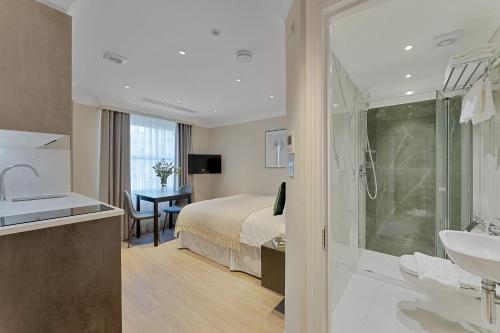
135,215
175,208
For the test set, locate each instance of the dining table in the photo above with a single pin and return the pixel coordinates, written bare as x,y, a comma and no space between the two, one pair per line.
156,197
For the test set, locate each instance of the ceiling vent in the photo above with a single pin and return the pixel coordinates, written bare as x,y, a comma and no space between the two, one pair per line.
447,38
157,102
115,58
244,56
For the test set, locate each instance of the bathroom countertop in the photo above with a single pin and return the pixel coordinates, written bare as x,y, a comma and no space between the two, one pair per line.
70,200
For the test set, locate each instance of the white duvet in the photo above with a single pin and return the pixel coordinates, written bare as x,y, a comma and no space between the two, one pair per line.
260,227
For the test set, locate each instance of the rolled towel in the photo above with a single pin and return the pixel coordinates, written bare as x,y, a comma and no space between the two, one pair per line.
468,280
440,274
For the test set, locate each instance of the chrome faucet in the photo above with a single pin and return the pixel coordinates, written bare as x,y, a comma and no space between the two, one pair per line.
485,226
3,196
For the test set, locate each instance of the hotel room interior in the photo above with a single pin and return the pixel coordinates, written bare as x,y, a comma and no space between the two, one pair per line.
183,165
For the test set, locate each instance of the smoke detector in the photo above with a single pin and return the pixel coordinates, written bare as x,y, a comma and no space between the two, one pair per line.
244,56
215,32
447,38
115,58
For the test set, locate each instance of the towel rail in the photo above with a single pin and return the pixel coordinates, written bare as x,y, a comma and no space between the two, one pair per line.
463,75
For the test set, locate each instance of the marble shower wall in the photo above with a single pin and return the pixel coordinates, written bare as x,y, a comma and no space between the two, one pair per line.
486,166
408,151
401,220
343,101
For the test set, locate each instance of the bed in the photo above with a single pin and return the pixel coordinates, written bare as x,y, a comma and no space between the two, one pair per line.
230,230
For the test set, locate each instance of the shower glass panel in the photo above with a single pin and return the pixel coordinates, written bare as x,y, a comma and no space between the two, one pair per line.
401,219
415,176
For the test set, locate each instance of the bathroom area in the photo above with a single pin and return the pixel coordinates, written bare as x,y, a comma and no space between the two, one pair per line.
413,100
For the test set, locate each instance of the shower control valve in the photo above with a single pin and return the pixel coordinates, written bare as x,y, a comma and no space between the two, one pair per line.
362,170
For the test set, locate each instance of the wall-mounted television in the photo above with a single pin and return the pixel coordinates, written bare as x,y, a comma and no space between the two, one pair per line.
203,164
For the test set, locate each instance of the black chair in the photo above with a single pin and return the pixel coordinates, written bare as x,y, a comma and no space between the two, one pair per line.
175,208
135,215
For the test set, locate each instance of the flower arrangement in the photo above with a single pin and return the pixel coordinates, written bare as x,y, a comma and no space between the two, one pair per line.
163,170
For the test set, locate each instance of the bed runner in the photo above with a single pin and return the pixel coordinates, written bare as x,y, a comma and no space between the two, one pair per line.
220,220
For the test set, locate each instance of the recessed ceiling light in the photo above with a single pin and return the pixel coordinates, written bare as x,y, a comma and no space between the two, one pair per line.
126,86
215,111
182,52
408,47
215,32
408,76
271,96
238,79
409,92
179,101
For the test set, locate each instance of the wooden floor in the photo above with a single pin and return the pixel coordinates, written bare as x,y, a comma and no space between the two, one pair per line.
171,290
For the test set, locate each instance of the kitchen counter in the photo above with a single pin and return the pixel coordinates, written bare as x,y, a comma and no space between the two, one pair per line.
62,272
70,200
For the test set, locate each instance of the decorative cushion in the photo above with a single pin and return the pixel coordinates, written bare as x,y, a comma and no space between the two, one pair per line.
279,204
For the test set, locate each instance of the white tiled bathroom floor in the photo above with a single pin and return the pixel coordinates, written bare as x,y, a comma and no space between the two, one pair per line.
372,306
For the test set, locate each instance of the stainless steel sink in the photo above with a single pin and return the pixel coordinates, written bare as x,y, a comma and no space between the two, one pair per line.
39,197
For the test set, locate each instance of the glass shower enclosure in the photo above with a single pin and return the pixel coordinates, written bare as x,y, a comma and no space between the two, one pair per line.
415,175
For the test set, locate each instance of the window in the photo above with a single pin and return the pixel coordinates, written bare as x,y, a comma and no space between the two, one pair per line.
151,140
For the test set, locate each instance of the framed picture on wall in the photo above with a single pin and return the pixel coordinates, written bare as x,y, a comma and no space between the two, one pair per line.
276,149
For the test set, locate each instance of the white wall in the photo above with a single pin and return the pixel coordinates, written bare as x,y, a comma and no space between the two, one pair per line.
486,166
86,139
486,158
296,224
242,147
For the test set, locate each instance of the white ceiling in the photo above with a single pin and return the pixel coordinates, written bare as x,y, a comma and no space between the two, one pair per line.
150,34
369,41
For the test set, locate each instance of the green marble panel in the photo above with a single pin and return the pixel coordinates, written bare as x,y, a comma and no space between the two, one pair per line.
401,220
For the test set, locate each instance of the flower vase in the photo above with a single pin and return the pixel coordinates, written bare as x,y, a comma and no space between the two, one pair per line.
163,181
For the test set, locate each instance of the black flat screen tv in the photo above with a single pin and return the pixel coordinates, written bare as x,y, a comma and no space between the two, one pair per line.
203,164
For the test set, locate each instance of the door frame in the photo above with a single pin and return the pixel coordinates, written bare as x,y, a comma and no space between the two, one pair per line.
318,13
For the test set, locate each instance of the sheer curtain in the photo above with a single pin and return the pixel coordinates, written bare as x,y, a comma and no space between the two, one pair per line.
151,140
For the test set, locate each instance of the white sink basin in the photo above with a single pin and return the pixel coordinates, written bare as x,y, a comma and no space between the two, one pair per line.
477,254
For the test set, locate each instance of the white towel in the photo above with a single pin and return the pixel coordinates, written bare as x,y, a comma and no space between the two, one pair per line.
468,280
472,103
437,273
488,109
478,104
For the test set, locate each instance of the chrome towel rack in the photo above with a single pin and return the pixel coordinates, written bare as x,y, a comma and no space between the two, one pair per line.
463,75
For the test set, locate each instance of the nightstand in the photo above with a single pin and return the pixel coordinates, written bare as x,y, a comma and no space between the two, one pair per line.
273,268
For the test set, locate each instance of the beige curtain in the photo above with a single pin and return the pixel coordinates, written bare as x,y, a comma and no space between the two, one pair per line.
184,147
115,161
